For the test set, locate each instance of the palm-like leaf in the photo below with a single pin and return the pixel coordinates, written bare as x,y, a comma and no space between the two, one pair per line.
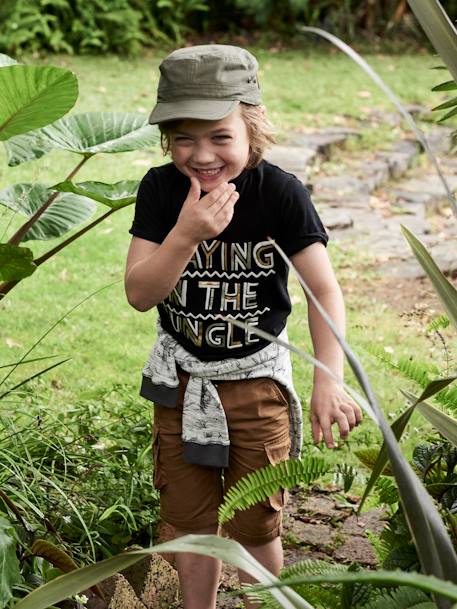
262,483
114,196
230,551
33,96
445,290
66,212
15,262
439,29
87,134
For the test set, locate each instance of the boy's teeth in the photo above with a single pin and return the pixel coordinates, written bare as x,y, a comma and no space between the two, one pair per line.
208,172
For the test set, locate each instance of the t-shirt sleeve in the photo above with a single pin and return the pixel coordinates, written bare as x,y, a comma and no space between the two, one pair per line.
300,222
150,221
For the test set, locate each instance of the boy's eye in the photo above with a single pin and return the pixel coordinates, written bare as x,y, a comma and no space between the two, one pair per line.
221,138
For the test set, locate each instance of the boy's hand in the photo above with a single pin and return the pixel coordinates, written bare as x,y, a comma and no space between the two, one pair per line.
207,217
330,404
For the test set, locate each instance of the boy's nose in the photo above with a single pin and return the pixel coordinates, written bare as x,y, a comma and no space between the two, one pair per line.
203,154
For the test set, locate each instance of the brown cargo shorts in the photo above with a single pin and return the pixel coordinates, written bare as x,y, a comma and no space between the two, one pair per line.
257,413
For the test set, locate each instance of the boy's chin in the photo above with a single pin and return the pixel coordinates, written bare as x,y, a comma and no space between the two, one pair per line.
209,185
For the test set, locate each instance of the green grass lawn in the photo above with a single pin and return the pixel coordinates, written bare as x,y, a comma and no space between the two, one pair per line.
106,339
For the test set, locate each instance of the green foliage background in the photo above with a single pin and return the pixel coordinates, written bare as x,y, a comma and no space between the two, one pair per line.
125,26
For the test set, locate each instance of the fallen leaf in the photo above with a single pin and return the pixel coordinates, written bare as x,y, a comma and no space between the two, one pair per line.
11,343
364,94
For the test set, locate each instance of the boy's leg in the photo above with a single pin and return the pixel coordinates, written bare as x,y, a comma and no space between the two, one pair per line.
258,416
189,499
270,555
198,575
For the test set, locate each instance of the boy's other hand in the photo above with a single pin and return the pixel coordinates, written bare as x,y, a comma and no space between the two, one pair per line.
207,217
330,404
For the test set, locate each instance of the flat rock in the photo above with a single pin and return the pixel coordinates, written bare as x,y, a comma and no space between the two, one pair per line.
322,141
312,533
372,520
291,158
335,219
333,187
356,549
374,173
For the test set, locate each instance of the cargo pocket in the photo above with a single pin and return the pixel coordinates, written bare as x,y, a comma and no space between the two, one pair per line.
276,452
279,392
159,474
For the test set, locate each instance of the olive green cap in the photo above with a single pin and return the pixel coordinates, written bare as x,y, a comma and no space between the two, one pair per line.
205,82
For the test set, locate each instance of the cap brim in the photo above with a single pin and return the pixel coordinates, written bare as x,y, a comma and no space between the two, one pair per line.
200,109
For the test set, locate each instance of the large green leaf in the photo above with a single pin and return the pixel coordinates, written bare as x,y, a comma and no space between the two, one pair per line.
86,134
9,564
66,212
15,262
34,96
439,30
445,290
6,60
114,196
230,551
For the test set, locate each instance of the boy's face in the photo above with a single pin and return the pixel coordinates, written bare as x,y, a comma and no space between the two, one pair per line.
212,151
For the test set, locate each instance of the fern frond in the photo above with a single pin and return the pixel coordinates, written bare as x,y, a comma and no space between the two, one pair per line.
388,491
439,323
418,372
403,597
380,547
311,567
263,483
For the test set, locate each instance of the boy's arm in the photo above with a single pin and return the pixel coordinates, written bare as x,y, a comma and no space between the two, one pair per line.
329,403
153,269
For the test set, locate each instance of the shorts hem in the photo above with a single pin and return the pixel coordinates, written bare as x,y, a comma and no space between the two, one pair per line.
247,539
195,525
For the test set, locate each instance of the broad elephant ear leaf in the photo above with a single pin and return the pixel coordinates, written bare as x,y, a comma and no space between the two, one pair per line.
87,134
114,196
66,212
33,96
6,60
10,573
15,262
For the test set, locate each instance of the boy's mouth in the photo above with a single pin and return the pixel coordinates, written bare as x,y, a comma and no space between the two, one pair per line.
208,173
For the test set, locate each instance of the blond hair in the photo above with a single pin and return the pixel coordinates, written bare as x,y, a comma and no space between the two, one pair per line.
260,133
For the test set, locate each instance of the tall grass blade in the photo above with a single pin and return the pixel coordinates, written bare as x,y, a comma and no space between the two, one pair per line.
398,427
27,361
439,30
442,422
51,328
393,98
445,290
209,545
30,378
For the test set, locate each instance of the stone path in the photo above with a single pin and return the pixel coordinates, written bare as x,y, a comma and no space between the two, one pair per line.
363,198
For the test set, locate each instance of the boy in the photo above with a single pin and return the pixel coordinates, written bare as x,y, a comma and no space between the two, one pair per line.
224,399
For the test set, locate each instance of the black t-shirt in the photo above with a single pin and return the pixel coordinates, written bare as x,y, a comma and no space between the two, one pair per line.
239,274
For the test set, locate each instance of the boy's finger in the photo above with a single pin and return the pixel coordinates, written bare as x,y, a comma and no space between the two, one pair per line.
194,190
326,428
316,431
230,201
343,424
219,195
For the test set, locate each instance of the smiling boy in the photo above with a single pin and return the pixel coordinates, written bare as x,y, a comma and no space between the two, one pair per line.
201,252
